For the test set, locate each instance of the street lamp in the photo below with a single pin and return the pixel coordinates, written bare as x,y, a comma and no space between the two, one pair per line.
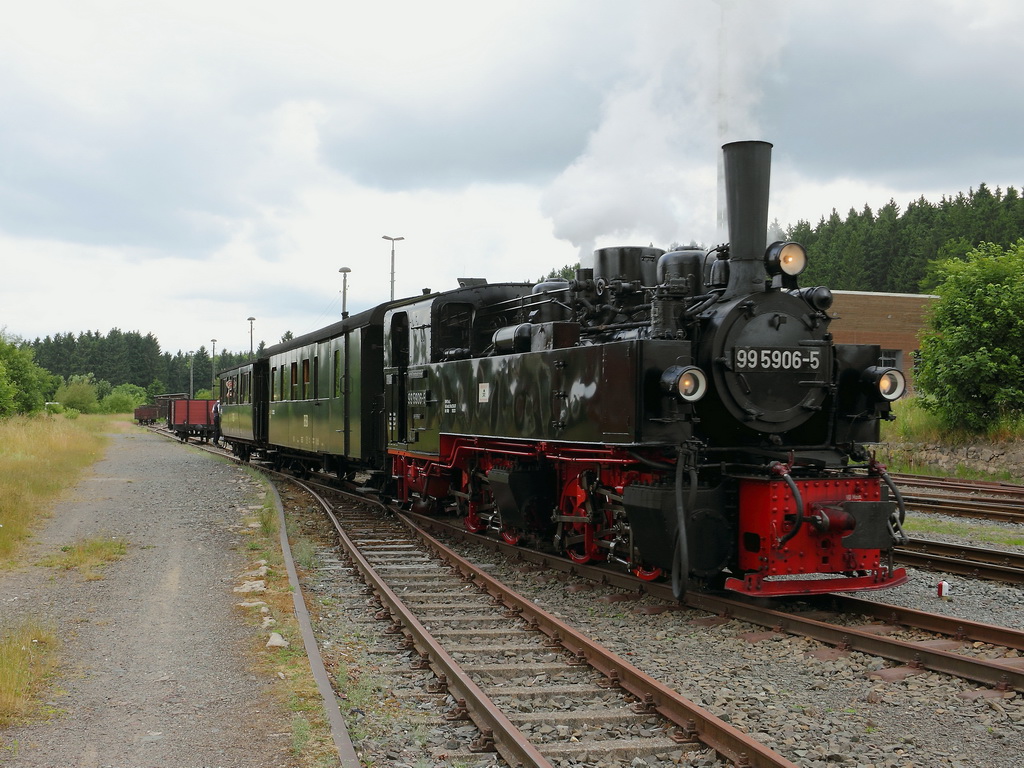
213,361
393,241
191,370
251,321
344,290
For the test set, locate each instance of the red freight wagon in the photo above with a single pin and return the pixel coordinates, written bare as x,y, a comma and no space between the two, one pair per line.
191,418
147,414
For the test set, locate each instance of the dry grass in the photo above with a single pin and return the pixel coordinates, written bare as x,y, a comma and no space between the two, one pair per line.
26,660
88,556
40,457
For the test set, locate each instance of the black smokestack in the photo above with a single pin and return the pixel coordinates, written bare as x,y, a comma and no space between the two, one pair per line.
748,166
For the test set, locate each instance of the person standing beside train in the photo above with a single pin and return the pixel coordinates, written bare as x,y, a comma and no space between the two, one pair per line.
216,422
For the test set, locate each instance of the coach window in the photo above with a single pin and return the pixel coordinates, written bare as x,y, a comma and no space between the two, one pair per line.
305,379
273,383
293,395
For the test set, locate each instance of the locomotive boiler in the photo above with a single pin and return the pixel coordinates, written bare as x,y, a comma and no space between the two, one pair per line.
683,414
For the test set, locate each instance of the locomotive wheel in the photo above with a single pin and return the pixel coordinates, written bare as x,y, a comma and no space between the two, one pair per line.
510,535
646,574
473,523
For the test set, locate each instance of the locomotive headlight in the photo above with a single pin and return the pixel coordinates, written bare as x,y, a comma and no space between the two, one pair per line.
889,382
689,383
785,259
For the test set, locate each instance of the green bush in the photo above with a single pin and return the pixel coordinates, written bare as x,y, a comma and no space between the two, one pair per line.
970,374
79,395
124,398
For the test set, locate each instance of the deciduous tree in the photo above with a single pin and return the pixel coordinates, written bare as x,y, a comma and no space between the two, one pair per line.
970,372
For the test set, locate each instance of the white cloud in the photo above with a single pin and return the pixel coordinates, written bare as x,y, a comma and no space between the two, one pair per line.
176,167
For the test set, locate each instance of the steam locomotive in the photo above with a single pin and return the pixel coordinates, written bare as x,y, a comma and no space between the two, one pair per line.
683,414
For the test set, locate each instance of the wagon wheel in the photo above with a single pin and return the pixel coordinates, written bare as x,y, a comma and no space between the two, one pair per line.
579,539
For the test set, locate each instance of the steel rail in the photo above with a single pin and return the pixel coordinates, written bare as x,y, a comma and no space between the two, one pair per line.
694,721
988,509
994,487
509,741
973,631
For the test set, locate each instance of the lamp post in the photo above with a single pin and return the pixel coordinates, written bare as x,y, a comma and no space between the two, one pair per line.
393,241
191,371
251,321
213,366
344,290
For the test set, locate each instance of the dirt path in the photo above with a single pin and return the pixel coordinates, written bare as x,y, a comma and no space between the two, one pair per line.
158,659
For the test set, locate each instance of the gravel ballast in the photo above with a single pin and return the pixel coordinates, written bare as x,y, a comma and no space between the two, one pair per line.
157,658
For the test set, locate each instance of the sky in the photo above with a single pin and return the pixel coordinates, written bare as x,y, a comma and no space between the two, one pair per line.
176,167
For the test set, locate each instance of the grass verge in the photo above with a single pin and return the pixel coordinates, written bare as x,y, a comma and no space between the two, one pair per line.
27,657
88,556
915,426
312,743
923,525
40,457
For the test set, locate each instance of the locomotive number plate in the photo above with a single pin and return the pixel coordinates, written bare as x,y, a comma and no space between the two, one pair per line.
775,359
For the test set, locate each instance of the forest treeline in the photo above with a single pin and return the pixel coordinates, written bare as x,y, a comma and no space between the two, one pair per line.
896,251
128,357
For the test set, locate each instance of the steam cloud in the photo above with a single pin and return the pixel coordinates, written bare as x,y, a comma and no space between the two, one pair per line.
649,171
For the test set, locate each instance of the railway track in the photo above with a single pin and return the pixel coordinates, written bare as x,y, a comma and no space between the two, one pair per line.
1006,511
911,639
962,559
1002,502
507,663
953,484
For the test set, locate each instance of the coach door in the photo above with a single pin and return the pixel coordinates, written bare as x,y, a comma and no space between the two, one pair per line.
397,373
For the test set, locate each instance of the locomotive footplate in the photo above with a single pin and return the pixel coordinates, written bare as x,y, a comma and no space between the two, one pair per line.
838,541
